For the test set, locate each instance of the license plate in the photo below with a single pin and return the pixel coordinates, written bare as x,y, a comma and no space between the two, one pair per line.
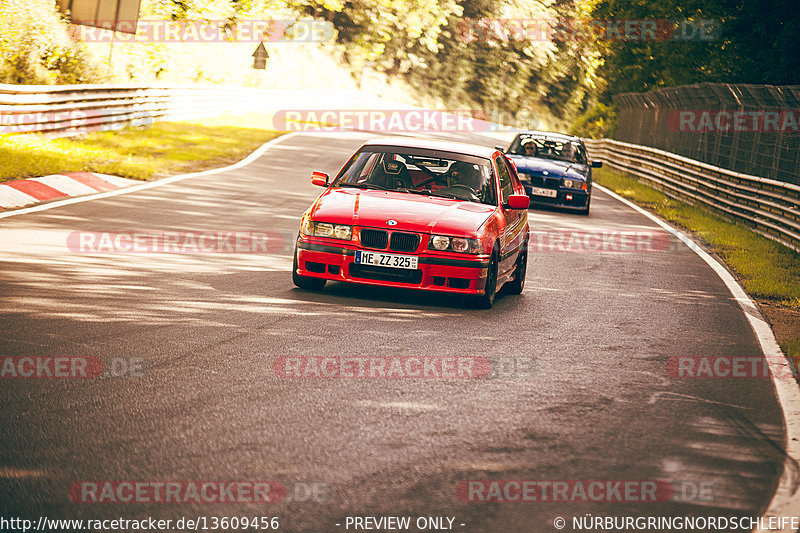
550,193
386,260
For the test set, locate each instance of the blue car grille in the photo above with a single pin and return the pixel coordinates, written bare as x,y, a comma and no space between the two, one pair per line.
541,181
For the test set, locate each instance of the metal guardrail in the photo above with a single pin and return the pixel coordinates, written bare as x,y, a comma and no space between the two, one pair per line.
70,109
769,207
764,140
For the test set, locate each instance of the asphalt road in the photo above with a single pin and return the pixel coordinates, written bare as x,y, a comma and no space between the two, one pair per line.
586,394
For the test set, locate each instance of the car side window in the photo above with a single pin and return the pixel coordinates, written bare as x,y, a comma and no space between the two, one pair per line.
581,155
369,164
506,185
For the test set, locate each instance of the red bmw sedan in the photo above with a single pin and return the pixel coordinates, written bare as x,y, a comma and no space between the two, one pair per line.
420,214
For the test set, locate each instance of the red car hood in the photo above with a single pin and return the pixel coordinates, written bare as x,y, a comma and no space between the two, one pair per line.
412,212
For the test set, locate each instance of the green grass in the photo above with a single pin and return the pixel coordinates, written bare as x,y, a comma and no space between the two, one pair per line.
791,347
766,269
155,151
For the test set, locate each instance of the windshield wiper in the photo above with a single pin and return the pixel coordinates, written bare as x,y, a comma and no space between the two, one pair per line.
448,195
412,191
415,191
431,193
364,186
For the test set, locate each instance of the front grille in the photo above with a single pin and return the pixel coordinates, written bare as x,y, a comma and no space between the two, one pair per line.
386,274
373,238
404,242
549,183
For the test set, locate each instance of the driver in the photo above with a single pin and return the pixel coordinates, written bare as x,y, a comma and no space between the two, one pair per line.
467,174
529,148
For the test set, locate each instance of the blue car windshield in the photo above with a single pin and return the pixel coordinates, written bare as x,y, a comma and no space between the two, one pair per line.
544,148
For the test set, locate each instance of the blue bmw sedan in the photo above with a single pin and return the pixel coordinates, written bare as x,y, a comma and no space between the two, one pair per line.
554,169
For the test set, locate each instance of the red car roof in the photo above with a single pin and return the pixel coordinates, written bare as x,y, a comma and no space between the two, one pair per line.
430,144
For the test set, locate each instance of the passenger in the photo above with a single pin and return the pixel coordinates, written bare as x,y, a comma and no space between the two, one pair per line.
569,152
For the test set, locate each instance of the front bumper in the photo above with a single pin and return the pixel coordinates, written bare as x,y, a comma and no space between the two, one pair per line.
446,272
565,198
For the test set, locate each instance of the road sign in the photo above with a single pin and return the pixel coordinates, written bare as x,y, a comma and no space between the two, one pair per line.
260,57
117,15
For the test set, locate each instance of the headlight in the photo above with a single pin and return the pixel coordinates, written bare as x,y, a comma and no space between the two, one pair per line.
454,244
574,184
459,245
343,232
440,242
324,229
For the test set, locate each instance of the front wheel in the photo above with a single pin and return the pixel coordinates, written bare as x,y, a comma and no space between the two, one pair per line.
585,212
305,282
517,285
486,300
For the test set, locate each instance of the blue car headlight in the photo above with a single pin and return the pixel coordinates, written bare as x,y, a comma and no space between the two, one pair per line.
574,184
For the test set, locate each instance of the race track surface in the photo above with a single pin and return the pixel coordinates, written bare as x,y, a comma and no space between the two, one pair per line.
585,392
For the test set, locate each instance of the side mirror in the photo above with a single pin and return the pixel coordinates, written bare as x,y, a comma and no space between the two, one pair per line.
597,164
518,201
319,178
500,148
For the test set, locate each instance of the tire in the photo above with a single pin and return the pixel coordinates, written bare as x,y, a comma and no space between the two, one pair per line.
585,212
486,300
305,282
516,285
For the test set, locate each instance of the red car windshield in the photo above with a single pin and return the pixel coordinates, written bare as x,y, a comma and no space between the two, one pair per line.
448,175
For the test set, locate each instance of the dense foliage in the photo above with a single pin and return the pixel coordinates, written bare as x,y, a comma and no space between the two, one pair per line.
35,47
756,43
470,57
464,53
